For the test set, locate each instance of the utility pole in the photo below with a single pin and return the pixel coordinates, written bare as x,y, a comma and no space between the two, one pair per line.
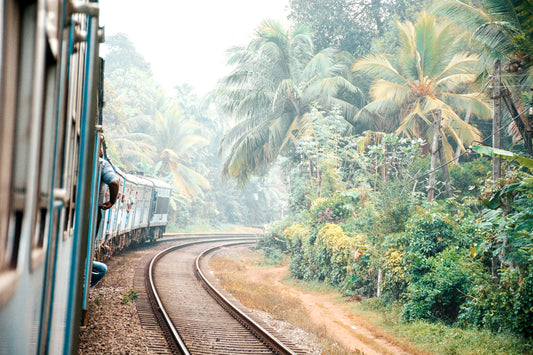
434,150
497,117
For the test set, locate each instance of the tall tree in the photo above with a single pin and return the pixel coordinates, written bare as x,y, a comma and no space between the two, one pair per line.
426,85
121,54
132,97
175,143
350,25
504,31
277,79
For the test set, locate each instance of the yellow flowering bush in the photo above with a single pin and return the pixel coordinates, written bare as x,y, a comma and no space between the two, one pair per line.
393,266
295,232
335,240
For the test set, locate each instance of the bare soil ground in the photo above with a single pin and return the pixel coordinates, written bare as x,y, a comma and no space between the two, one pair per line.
348,329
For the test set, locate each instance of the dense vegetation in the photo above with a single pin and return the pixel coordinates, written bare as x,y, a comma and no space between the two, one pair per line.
373,116
387,198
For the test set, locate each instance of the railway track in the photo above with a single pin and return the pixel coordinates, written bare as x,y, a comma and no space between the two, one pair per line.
194,322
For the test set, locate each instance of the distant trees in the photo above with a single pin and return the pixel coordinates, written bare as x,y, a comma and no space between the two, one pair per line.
175,138
145,130
351,25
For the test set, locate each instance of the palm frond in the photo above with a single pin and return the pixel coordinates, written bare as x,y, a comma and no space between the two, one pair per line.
460,63
386,90
377,65
496,36
475,103
379,107
451,82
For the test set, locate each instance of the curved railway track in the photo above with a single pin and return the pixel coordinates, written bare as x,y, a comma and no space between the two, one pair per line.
194,322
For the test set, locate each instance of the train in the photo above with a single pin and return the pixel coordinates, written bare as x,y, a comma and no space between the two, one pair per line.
140,214
51,99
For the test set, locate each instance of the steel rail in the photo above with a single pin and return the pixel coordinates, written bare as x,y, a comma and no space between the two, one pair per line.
261,333
171,333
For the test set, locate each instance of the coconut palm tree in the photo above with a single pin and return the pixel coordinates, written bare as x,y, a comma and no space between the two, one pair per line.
174,141
503,30
277,79
502,27
425,88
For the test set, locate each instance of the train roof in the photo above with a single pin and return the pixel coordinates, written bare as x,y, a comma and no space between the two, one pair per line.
143,180
139,180
159,183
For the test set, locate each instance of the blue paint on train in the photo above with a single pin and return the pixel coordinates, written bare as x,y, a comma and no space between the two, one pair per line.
49,80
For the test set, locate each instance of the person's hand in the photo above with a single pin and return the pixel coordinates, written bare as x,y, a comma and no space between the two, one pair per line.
106,205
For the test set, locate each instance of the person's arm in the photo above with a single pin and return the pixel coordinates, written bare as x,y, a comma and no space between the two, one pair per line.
113,193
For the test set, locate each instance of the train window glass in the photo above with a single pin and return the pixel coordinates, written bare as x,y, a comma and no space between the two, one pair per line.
13,243
40,228
67,221
73,208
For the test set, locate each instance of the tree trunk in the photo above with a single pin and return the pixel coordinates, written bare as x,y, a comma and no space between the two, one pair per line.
434,151
379,282
458,150
496,119
445,172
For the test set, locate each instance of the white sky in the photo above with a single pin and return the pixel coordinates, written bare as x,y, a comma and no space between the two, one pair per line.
185,40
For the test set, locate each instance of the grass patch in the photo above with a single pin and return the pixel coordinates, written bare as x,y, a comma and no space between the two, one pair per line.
310,286
98,301
130,297
439,338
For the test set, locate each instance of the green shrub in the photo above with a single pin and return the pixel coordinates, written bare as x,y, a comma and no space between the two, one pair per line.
466,176
334,209
523,307
439,293
430,232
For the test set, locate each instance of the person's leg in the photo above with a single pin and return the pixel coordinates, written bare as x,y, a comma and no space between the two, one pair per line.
98,271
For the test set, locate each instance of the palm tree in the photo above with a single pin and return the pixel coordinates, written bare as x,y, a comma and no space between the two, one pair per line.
425,87
174,142
132,98
501,27
276,81
504,30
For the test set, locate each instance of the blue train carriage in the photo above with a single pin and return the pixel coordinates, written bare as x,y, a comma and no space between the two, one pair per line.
159,207
125,223
49,76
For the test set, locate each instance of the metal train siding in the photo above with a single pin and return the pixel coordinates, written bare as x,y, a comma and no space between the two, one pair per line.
140,214
50,103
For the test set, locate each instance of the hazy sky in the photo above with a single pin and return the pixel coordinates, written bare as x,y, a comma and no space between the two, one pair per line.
186,40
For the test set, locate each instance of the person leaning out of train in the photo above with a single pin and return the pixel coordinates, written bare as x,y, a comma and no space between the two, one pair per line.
109,179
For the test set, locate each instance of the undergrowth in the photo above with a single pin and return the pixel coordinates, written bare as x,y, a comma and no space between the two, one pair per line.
439,338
